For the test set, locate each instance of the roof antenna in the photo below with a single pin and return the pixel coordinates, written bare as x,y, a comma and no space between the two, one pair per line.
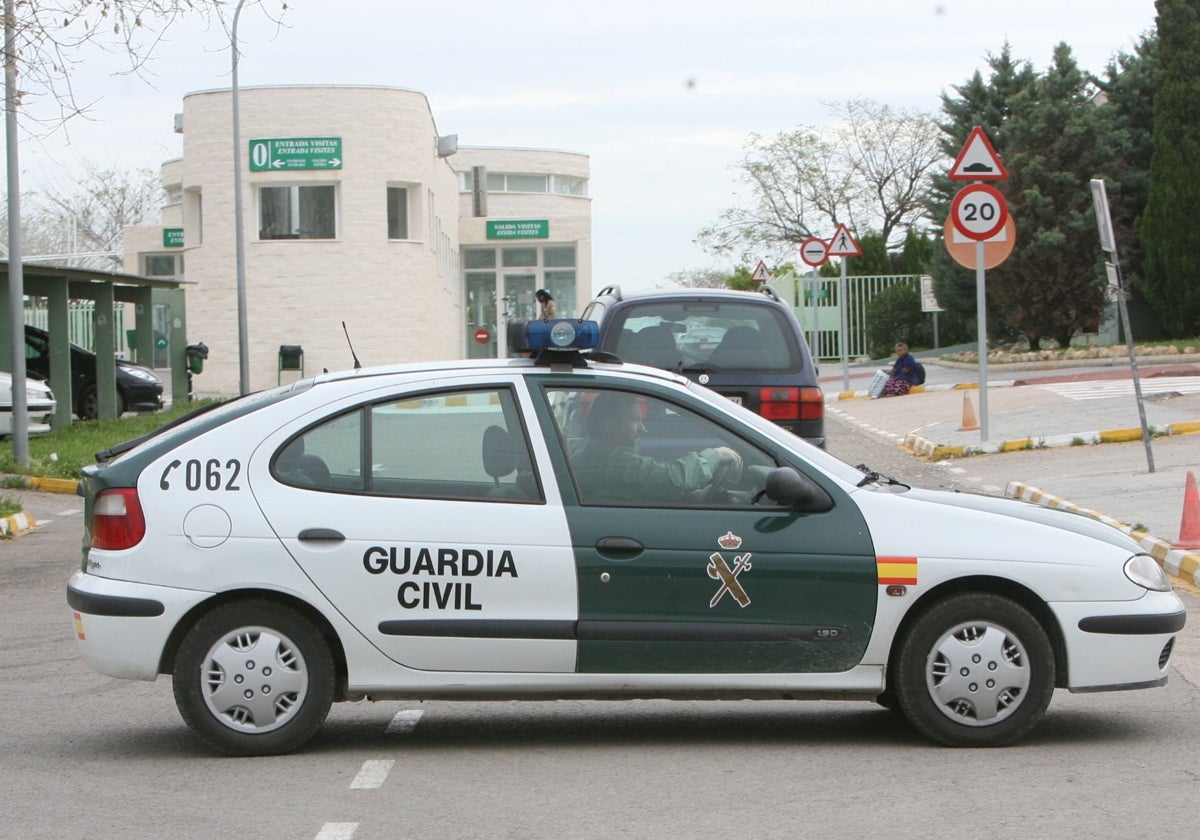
357,365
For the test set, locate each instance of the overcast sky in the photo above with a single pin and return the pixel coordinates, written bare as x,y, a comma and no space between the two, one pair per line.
661,94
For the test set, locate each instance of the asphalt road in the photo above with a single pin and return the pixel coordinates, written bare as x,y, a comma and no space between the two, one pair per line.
85,756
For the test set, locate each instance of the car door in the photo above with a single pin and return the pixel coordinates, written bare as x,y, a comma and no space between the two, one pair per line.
704,582
422,515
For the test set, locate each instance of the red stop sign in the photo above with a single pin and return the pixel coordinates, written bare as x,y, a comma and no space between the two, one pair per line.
482,335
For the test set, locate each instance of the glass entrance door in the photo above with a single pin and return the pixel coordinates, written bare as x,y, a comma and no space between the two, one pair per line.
518,302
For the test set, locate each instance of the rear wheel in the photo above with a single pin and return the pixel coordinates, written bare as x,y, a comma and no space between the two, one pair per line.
254,678
975,670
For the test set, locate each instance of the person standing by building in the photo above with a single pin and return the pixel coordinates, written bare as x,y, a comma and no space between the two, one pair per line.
546,306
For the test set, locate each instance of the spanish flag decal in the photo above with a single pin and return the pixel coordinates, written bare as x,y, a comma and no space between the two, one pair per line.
896,570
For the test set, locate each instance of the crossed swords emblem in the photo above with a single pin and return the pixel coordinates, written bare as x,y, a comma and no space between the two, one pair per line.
718,569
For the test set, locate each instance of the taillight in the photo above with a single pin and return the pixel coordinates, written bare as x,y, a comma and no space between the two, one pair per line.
792,403
117,520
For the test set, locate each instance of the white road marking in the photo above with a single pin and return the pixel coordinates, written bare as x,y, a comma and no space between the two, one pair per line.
337,831
405,721
372,774
1104,388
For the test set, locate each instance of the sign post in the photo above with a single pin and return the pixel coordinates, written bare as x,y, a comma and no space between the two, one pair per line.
1108,243
979,212
815,253
843,245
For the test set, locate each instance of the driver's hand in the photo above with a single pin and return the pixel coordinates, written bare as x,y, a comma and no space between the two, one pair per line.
733,460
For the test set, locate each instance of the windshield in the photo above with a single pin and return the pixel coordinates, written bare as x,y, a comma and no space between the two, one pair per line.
710,335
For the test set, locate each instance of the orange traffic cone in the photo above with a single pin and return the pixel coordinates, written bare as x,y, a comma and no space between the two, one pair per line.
969,424
1189,526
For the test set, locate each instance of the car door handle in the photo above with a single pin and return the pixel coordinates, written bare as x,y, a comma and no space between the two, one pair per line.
321,535
625,547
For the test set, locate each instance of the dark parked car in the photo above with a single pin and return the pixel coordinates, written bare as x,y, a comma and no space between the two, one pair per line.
138,388
746,346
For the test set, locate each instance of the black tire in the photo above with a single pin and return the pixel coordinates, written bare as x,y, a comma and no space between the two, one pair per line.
279,664
975,670
87,407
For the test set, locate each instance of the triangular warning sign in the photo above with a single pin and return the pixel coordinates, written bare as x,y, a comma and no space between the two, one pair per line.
761,273
978,161
843,245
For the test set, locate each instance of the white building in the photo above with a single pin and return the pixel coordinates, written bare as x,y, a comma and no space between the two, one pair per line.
356,211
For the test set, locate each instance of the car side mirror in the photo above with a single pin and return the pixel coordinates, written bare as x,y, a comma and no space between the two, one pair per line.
791,488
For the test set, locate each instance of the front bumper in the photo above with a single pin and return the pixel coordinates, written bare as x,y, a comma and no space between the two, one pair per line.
121,628
1120,644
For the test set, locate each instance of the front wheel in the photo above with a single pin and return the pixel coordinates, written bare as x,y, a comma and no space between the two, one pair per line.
254,678
976,670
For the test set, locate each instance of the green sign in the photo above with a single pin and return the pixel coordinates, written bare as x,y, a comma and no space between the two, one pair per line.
172,237
292,153
523,229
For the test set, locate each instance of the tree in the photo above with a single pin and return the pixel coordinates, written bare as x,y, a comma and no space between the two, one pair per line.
1169,234
82,224
1129,84
49,39
987,104
1057,139
869,172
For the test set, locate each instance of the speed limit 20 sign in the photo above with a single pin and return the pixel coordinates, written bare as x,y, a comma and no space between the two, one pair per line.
979,211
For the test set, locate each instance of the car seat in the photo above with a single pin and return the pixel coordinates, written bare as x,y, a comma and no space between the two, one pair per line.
654,346
740,347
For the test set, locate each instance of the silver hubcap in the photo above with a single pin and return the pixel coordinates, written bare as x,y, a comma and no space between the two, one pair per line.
254,679
978,673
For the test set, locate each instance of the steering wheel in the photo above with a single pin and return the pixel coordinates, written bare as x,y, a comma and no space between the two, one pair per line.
720,478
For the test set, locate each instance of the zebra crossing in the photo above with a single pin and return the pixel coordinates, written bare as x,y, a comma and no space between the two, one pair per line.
1099,389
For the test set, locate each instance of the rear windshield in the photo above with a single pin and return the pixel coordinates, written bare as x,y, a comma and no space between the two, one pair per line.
713,335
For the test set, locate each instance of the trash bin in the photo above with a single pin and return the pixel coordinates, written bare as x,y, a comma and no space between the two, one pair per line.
291,357
196,354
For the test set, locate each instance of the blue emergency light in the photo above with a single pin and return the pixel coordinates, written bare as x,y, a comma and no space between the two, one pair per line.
561,334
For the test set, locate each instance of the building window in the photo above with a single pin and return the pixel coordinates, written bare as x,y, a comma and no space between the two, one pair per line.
162,265
297,212
568,185
526,183
397,212
519,257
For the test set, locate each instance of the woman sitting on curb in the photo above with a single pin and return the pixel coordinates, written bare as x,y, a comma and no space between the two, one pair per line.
904,373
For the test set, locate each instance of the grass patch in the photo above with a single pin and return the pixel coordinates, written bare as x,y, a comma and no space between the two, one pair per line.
9,506
63,453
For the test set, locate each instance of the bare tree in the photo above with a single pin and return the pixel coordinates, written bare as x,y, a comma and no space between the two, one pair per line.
49,37
868,171
82,225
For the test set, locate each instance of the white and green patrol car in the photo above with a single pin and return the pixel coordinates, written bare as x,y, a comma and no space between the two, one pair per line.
570,526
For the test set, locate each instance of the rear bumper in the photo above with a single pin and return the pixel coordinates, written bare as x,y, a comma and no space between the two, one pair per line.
121,628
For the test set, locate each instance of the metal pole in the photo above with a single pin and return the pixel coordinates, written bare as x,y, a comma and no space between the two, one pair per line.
1133,363
981,315
16,272
239,234
845,307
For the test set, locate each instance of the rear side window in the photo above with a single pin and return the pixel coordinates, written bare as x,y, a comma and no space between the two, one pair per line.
467,445
713,335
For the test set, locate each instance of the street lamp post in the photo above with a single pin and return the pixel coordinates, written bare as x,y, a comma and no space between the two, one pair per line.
239,237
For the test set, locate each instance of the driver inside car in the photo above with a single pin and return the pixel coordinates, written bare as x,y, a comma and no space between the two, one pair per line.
608,466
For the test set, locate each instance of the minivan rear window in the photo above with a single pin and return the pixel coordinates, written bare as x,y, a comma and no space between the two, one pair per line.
714,335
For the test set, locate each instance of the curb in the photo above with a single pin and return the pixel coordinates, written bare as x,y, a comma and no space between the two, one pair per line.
53,485
1179,562
923,389
925,448
18,523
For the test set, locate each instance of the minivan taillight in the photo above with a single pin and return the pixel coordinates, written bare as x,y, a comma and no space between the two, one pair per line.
117,520
792,403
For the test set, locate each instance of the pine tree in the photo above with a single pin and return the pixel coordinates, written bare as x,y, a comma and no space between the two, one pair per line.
1169,233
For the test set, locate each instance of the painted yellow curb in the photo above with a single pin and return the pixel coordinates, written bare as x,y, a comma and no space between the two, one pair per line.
15,524
54,485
